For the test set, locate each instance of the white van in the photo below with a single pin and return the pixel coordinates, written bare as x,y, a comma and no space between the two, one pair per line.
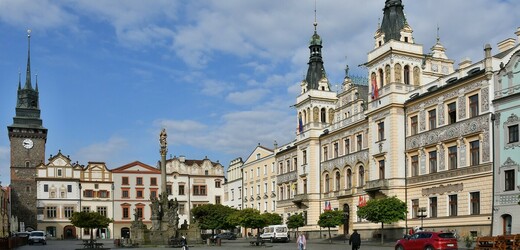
276,233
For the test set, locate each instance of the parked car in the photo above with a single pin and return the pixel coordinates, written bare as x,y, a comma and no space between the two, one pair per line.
276,233
226,235
22,234
427,241
37,237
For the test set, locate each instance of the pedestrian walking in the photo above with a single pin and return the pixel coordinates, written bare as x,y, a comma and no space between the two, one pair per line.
355,240
301,242
184,243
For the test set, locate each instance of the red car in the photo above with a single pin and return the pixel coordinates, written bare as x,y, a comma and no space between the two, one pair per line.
427,241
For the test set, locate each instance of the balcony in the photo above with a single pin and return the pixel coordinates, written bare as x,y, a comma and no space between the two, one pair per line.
376,185
287,177
345,193
303,170
300,200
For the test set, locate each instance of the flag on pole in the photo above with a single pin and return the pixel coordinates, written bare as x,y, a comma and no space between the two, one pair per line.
375,90
328,206
300,124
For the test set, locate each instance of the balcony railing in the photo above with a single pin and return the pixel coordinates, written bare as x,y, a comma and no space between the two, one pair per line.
377,185
287,177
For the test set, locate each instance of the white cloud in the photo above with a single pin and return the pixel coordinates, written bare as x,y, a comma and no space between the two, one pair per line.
102,151
212,87
250,96
41,15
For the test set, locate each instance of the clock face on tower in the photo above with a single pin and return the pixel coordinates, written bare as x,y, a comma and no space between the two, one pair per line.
28,143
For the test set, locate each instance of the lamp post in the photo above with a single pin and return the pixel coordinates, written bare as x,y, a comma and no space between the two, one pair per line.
422,215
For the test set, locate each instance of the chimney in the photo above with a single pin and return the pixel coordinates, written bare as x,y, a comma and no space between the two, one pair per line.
182,158
466,62
506,44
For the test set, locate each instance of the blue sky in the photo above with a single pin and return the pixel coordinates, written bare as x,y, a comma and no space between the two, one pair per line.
220,76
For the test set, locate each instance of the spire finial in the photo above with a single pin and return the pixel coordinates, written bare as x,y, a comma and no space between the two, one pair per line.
315,18
28,84
36,88
19,79
438,37
379,23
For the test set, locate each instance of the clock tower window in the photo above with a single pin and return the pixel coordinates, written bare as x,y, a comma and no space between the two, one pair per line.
27,164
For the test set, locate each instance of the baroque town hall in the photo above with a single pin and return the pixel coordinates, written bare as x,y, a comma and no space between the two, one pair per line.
439,137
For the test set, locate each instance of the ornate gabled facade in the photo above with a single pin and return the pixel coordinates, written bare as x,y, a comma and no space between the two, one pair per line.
194,183
506,122
58,196
97,195
27,137
134,184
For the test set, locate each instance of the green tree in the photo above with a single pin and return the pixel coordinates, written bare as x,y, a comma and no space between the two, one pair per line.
248,218
386,210
330,218
89,220
272,218
213,217
295,221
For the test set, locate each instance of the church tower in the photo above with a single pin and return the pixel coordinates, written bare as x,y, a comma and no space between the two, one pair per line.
28,137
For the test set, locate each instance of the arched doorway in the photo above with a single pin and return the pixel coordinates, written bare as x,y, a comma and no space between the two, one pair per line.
125,232
69,232
507,221
346,219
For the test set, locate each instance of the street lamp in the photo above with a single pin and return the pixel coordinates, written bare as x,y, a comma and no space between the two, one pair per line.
422,210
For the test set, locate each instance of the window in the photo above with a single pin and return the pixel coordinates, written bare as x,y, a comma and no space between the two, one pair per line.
413,125
265,168
473,105
337,181
153,193
96,186
407,75
361,176
382,169
124,180
206,172
258,189
359,142
453,204
85,209
217,199
327,183
513,133
51,212
415,208
102,194
169,189
139,181
125,193
415,165
432,118
258,156
69,188
199,190
452,113
67,211
280,169
46,188
217,184
126,213
181,189
258,171
153,181
265,187
295,165
347,146
181,209
433,207
139,211
452,157
474,151
88,193
349,178
139,193
325,153
381,130
59,172
475,203
102,211
433,161
509,176
336,149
